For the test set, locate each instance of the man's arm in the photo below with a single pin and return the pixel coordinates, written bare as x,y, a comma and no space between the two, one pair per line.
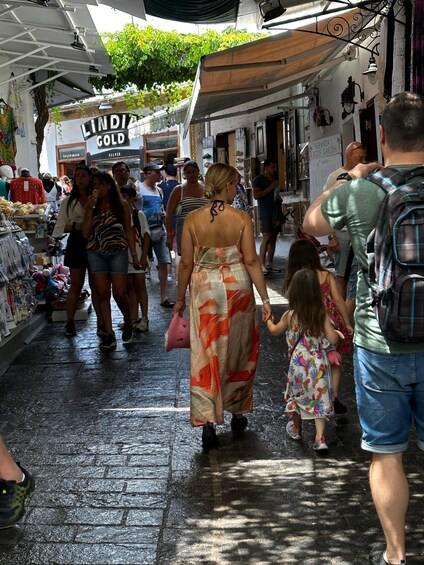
259,192
314,222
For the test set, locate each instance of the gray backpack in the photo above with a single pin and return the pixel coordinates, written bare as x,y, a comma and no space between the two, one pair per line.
395,250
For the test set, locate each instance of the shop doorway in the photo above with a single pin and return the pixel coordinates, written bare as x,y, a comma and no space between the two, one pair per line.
67,158
276,139
161,147
67,169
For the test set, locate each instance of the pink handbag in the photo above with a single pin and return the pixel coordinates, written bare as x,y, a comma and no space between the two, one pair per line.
178,334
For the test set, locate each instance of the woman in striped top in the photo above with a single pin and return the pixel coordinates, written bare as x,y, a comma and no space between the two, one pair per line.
107,227
186,197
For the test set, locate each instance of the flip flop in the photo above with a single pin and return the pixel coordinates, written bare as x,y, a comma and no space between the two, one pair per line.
167,304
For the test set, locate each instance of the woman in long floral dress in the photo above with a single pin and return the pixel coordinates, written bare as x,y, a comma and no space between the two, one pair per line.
219,261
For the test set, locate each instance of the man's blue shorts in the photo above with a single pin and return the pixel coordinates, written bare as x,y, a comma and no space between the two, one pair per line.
161,250
390,396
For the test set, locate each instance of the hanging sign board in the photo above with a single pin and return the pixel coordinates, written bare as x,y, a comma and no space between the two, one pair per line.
111,130
325,156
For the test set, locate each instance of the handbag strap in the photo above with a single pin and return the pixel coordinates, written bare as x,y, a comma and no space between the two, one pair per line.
295,345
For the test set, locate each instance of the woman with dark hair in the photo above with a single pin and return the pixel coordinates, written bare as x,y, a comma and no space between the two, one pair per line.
107,227
186,197
69,220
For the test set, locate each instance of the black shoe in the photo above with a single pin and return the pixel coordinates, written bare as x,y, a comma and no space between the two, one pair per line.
339,407
376,557
167,304
272,270
127,332
70,330
108,342
238,424
12,499
209,437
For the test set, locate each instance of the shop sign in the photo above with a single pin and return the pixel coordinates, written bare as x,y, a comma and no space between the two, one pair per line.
113,139
71,153
111,130
115,154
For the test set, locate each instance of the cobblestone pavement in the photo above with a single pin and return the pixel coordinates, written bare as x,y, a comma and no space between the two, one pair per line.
122,479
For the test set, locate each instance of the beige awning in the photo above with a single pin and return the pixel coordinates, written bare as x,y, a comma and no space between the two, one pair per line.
249,72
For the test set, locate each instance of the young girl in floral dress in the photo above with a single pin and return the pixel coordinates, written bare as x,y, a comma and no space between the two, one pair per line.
303,254
309,332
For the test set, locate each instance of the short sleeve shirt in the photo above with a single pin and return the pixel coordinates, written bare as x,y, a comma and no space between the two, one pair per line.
265,204
356,204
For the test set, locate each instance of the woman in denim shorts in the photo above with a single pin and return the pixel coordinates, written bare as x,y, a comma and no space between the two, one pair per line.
107,226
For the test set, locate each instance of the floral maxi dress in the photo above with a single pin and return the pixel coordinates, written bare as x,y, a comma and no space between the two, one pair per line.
309,390
224,335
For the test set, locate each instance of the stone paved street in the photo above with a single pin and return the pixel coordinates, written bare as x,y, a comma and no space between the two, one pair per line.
122,479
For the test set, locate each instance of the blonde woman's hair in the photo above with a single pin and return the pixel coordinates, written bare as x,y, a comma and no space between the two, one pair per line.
218,177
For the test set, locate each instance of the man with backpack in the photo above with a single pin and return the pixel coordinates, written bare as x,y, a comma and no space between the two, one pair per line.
389,343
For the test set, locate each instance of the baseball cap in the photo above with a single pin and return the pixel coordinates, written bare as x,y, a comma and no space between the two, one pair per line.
24,170
170,170
152,167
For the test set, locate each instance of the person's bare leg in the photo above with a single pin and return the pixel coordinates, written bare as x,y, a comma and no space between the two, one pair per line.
119,290
96,302
264,247
102,283
132,296
77,282
390,493
9,471
163,280
319,428
142,295
337,377
297,421
342,284
271,248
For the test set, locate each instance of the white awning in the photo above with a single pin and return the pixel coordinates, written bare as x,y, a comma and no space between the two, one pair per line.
36,42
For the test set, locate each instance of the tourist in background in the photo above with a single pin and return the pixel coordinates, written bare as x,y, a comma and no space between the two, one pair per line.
185,198
107,227
136,280
69,221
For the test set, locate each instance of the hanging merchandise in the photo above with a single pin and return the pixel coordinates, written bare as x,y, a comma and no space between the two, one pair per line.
16,102
17,300
7,135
